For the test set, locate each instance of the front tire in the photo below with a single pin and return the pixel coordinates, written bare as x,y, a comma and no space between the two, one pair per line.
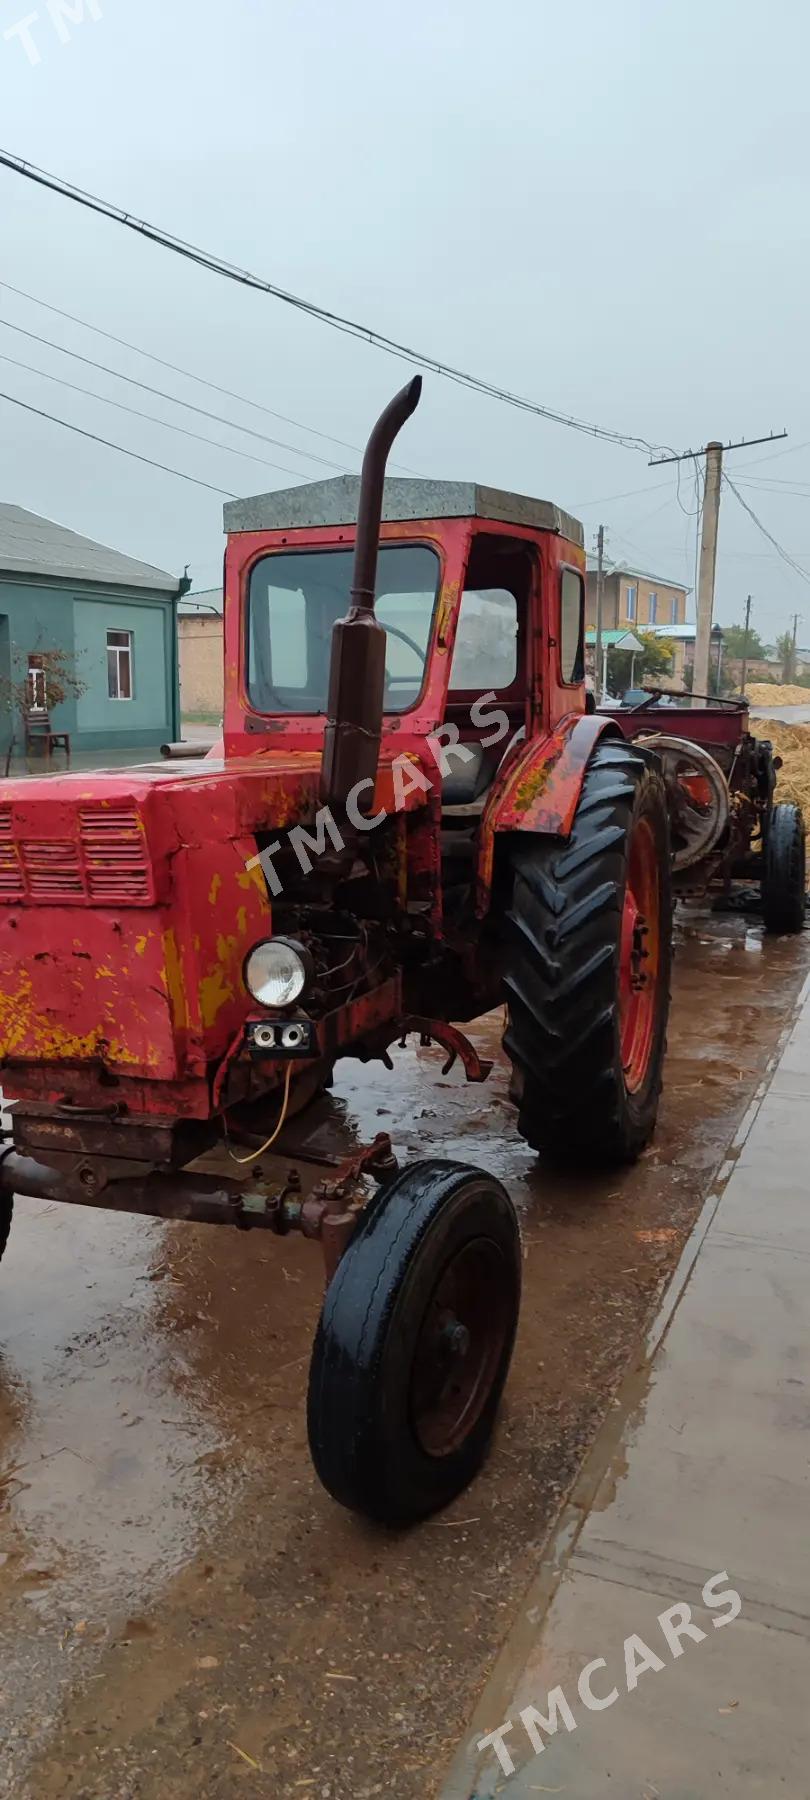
6,1211
588,968
414,1343
783,880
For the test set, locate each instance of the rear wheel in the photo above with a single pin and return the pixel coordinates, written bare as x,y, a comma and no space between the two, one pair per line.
6,1210
414,1343
588,967
783,880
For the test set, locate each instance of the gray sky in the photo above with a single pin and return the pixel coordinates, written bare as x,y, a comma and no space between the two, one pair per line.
602,206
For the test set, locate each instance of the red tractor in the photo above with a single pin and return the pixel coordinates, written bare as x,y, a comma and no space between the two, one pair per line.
412,819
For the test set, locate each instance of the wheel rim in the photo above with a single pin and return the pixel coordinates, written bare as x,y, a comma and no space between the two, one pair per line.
639,967
460,1345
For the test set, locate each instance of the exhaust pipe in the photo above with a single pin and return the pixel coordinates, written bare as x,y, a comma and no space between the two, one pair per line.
351,750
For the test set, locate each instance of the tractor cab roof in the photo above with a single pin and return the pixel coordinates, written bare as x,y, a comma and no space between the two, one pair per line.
334,502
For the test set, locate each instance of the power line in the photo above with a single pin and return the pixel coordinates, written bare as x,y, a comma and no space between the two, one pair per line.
135,413
160,394
785,555
188,374
54,419
218,266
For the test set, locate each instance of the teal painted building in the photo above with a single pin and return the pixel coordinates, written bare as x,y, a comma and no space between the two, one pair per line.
107,619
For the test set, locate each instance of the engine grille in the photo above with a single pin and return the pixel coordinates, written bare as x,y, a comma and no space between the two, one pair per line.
106,864
116,861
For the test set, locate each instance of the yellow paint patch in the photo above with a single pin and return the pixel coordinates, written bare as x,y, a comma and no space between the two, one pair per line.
252,878
140,946
104,974
214,890
216,992
241,921
173,978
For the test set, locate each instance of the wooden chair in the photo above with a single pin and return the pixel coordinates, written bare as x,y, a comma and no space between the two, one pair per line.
38,731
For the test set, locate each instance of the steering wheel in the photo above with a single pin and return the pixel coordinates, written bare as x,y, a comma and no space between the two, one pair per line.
394,631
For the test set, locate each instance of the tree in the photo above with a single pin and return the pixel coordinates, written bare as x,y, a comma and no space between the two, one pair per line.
655,659
786,651
39,679
734,643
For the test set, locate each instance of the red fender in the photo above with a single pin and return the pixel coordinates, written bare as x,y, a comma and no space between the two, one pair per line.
539,787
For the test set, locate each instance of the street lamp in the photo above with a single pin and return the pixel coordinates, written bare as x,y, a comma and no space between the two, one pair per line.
717,638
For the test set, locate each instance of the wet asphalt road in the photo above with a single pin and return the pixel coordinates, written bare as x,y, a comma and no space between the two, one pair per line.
183,1612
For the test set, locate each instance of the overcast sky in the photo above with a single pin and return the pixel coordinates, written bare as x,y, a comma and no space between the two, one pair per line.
603,207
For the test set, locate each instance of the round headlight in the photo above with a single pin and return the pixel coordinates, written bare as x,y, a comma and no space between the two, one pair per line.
276,972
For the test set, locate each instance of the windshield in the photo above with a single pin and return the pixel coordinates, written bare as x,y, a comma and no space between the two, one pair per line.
295,599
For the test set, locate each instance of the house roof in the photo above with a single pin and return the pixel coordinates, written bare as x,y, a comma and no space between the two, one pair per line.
615,640
31,545
620,568
208,600
334,502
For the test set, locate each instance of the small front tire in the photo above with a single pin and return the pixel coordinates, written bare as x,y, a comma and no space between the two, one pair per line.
414,1343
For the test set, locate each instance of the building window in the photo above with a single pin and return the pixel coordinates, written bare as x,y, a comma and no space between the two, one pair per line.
37,700
572,620
674,620
630,602
119,665
652,609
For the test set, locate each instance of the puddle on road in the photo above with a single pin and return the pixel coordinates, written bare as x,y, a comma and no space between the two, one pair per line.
148,1371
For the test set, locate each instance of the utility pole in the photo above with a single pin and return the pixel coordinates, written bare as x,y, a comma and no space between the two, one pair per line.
744,669
793,656
708,564
713,453
599,688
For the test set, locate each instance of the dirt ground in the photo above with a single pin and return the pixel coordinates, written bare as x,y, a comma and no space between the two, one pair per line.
183,1611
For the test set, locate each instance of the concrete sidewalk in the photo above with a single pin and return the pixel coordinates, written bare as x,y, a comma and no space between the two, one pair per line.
703,1466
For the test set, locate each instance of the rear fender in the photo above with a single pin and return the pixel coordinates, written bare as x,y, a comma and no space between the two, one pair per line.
539,788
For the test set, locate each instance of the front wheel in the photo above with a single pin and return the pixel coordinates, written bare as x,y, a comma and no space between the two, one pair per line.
414,1343
6,1210
783,880
588,967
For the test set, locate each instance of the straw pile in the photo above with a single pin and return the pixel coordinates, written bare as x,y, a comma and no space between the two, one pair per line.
792,743
770,693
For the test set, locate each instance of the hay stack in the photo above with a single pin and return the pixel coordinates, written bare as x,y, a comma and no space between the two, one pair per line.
792,743
770,693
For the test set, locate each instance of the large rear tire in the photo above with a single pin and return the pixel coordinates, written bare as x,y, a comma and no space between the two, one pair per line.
6,1210
588,967
783,880
414,1343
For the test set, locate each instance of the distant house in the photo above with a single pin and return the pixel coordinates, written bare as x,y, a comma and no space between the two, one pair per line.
202,655
107,617
634,600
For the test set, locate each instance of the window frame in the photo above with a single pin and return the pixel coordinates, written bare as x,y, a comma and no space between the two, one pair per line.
36,677
652,607
631,603
120,651
674,620
575,680
326,549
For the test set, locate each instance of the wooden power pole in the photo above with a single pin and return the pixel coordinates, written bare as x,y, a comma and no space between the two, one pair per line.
713,453
598,685
708,564
744,669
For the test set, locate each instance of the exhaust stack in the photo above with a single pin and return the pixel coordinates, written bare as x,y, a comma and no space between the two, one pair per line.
351,750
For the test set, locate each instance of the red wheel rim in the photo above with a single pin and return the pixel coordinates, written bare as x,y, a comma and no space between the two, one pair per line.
640,957
460,1346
